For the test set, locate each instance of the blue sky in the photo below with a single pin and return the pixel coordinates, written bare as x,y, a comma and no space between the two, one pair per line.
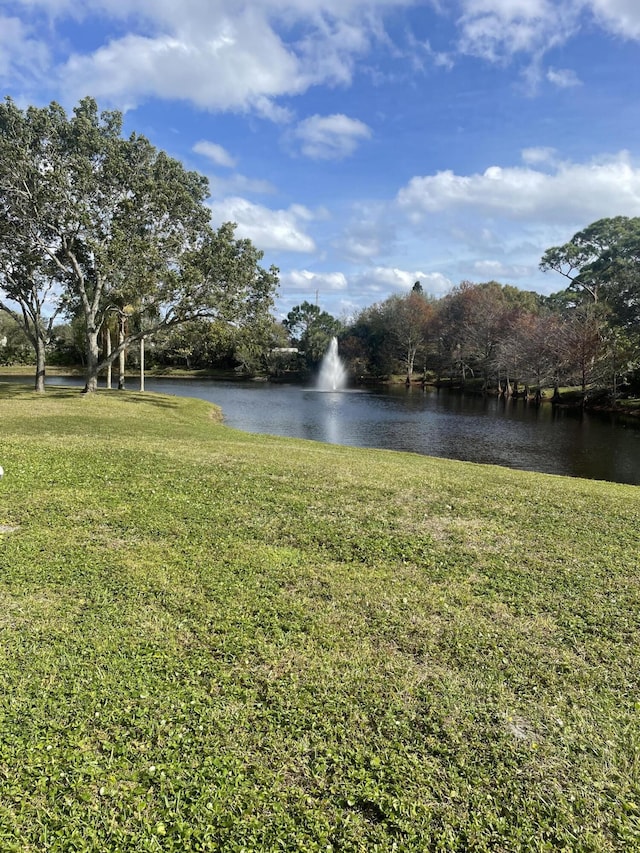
365,145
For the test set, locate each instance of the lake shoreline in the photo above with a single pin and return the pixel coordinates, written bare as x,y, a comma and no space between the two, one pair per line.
567,398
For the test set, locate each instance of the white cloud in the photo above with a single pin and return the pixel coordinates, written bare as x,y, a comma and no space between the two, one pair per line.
439,58
497,270
497,224
539,155
619,16
564,78
267,229
369,235
499,29
214,152
493,29
347,293
330,137
601,188
224,55
238,64
220,55
305,281
380,280
360,247
22,55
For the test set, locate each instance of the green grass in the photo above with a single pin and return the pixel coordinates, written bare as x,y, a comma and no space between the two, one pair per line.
220,642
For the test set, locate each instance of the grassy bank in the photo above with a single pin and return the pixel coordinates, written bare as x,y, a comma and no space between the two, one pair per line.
220,642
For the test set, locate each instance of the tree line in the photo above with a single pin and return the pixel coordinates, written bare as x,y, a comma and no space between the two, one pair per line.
497,337
106,241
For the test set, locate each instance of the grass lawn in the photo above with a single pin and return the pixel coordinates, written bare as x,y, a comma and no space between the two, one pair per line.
213,641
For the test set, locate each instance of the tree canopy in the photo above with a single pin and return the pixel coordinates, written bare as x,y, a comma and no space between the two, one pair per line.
602,262
311,329
93,223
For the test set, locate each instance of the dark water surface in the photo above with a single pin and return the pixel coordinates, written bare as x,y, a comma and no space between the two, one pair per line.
435,423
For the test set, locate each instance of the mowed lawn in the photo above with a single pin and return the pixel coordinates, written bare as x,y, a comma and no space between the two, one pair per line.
212,641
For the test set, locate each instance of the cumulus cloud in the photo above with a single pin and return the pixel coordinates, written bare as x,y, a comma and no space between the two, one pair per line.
349,292
267,229
573,190
360,247
238,64
330,137
214,152
497,223
439,58
220,55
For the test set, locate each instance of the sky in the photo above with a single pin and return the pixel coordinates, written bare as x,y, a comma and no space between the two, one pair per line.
364,146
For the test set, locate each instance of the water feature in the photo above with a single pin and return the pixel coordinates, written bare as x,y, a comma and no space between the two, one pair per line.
434,423
333,375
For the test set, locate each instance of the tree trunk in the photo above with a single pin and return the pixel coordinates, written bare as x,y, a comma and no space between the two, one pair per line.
107,352
40,365
142,364
121,336
93,359
410,361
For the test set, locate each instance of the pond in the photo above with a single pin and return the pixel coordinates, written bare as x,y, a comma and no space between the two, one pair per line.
436,423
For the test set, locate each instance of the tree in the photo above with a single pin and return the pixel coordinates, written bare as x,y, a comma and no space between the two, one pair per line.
67,343
477,331
367,348
603,262
27,278
408,319
255,344
312,329
14,346
122,227
602,300
481,321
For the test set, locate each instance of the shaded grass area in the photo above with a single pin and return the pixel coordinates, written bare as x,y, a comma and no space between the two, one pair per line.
224,642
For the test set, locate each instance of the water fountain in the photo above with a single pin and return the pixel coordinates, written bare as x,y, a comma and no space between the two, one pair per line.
333,375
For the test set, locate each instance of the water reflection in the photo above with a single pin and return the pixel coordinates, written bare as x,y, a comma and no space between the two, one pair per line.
437,423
